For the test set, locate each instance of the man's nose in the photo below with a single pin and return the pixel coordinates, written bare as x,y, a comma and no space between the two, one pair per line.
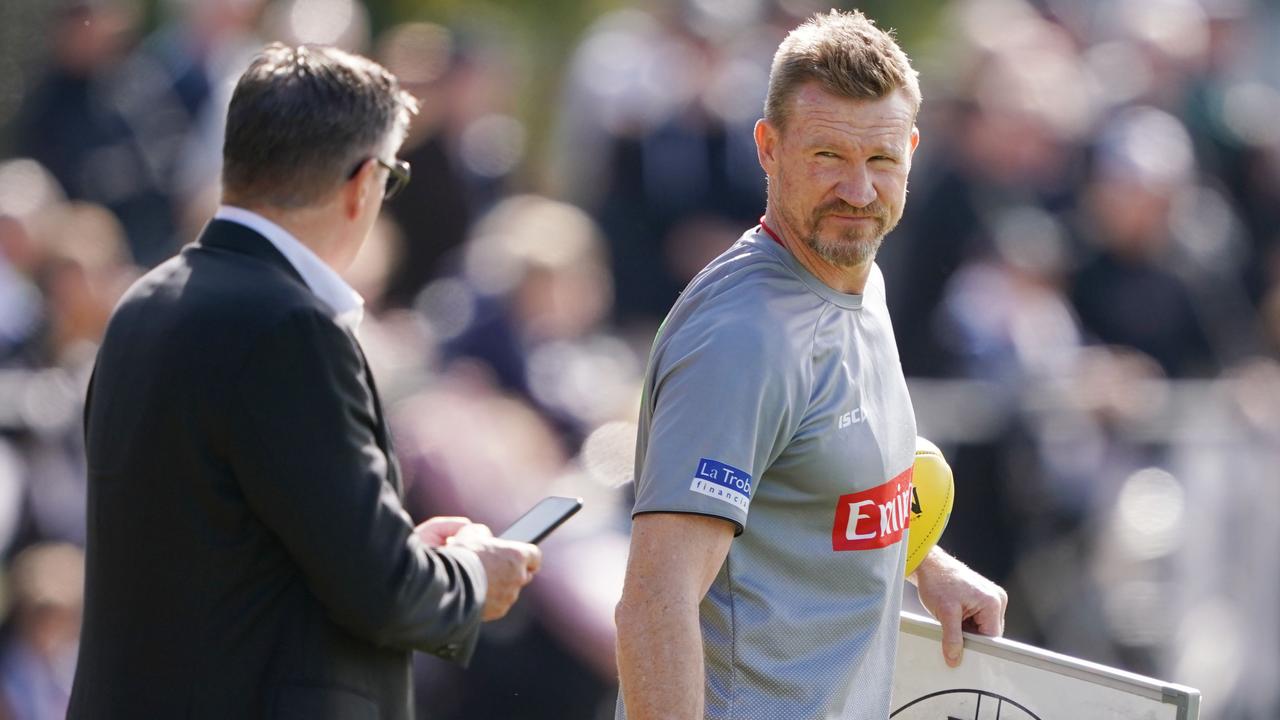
856,187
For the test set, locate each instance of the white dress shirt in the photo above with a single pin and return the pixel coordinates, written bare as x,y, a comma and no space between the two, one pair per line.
348,306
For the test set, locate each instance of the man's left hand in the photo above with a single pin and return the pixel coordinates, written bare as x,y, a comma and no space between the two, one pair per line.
960,599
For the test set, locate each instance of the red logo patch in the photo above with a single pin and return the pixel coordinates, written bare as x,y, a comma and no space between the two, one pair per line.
873,518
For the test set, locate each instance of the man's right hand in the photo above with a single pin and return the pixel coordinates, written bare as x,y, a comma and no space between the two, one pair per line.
508,565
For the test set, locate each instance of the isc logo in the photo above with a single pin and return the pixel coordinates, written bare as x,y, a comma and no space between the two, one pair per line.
873,518
852,417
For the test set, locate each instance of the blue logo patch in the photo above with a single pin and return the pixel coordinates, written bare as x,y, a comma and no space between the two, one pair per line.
722,482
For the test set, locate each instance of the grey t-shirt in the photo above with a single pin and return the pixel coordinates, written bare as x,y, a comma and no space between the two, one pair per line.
779,404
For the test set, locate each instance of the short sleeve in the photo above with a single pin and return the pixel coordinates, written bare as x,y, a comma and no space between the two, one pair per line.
722,401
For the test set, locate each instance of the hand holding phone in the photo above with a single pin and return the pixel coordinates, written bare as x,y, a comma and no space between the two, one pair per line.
508,566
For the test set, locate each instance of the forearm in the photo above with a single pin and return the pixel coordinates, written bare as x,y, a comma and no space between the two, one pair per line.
311,470
438,609
960,599
660,658
937,560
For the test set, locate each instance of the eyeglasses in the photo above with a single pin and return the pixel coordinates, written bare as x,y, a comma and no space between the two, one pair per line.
398,174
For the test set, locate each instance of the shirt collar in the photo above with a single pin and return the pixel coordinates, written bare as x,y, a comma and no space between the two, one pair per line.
328,285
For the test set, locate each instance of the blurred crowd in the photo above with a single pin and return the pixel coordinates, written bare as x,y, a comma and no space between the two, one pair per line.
1085,288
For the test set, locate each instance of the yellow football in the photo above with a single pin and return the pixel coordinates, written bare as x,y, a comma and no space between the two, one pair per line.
932,493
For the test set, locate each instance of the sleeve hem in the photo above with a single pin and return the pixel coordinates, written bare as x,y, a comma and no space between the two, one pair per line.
738,526
474,571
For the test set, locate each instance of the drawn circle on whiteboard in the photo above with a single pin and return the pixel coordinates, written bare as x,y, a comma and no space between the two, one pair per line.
963,704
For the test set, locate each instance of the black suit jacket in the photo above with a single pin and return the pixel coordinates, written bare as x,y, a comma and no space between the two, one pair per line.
248,555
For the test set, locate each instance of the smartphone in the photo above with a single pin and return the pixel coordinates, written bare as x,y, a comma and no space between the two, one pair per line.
547,515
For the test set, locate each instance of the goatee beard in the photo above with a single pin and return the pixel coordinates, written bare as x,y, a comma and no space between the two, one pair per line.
849,252
851,248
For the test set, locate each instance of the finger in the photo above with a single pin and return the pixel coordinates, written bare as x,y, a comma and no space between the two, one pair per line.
448,520
526,575
989,619
952,633
438,530
494,611
474,532
496,606
533,558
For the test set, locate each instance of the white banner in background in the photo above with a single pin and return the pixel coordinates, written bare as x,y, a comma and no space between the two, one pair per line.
1004,680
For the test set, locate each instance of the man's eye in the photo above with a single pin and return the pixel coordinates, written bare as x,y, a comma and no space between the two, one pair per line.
884,158
826,154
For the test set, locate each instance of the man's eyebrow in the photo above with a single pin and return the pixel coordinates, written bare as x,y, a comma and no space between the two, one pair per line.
890,149
875,146
876,149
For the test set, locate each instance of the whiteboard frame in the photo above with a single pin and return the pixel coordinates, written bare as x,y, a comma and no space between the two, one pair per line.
1185,699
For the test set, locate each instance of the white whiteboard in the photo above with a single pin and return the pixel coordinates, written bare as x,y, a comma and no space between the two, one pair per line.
1004,680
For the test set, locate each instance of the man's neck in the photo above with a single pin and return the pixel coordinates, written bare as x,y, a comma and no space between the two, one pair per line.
852,280
309,226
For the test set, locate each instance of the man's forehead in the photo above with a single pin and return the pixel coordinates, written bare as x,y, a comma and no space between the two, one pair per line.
813,108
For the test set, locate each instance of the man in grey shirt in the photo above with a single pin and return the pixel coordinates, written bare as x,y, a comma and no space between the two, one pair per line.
773,466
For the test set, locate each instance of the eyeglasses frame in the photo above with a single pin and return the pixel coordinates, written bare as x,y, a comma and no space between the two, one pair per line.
399,174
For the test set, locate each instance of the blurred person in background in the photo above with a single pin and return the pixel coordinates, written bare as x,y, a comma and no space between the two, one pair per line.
656,139
468,141
1129,292
976,271
27,192
528,369
37,663
196,46
467,444
427,60
108,133
400,347
531,304
1011,104
282,576
774,386
196,56
84,271
74,260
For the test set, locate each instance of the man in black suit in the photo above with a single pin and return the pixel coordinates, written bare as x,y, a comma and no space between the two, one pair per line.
248,555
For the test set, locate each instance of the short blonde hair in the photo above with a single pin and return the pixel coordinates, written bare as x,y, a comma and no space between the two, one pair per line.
847,54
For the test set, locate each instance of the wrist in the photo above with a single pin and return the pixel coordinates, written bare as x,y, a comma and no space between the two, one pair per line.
936,561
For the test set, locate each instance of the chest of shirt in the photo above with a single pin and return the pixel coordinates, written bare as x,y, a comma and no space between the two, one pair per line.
858,431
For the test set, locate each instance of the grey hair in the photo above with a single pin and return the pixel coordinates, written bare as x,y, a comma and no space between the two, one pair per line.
301,120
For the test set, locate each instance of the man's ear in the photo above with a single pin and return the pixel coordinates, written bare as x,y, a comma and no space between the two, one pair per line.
355,192
915,138
767,139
